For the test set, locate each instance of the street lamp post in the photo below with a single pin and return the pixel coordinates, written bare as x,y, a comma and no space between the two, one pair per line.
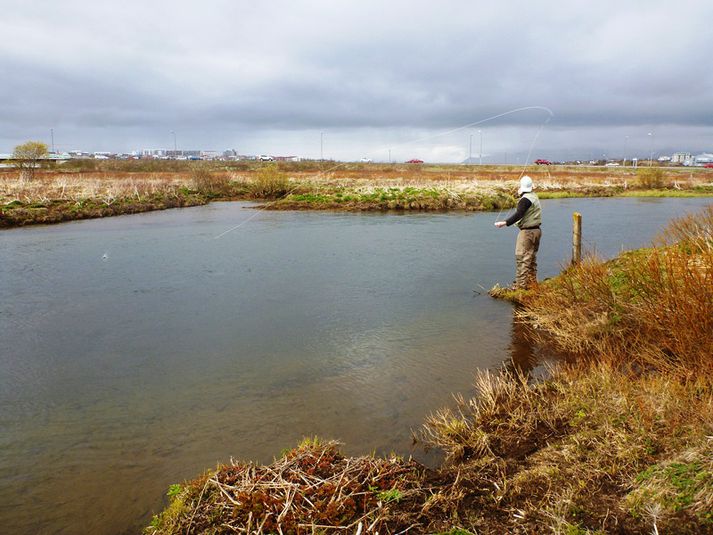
175,145
481,146
626,148
470,151
52,134
651,149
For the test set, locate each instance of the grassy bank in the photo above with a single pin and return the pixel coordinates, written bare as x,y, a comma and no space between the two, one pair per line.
619,440
89,188
53,198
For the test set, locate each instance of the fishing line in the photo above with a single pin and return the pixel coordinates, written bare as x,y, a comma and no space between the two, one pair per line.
408,143
529,152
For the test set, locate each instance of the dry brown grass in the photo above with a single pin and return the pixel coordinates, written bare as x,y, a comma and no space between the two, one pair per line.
115,179
79,186
580,451
653,307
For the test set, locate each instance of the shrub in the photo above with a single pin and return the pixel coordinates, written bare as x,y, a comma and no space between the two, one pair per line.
270,183
27,157
210,182
651,178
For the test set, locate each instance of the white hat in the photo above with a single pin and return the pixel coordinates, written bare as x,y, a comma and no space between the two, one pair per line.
525,185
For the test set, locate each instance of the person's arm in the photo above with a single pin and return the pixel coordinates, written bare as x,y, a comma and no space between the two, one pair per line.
523,204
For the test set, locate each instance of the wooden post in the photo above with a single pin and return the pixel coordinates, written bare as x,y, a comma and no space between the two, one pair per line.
576,238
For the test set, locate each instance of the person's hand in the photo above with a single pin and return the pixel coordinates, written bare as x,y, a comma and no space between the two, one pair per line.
500,224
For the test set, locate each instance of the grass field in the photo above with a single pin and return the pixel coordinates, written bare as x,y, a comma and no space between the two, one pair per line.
88,188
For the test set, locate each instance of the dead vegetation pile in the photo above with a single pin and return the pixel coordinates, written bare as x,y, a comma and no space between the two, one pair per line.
311,489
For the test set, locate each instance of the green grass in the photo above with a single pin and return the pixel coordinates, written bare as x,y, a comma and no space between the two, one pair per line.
393,495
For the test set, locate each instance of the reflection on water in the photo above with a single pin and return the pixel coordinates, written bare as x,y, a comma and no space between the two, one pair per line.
522,348
138,351
529,356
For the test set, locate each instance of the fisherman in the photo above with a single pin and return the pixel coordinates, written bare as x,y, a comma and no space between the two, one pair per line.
528,218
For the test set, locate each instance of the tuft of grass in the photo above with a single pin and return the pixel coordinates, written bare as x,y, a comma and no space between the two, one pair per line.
174,490
391,495
683,483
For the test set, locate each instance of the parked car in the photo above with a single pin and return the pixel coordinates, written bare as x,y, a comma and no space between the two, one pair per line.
266,158
708,166
365,160
415,160
541,161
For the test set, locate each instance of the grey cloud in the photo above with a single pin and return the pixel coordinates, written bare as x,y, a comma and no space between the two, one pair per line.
238,69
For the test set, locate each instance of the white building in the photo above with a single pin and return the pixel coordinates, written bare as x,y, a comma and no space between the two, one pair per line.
703,159
680,157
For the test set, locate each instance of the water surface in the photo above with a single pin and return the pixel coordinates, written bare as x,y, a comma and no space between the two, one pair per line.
137,351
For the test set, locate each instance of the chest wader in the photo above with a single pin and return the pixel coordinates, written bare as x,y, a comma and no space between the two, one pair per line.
528,243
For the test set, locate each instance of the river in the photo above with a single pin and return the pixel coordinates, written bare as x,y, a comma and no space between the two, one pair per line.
138,351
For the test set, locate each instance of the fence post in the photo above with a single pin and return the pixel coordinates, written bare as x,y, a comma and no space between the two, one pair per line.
576,238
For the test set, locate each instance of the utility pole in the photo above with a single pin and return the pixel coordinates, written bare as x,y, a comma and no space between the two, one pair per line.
175,149
651,149
52,134
626,145
481,146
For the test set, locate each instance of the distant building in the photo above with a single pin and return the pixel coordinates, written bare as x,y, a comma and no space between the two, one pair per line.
680,157
703,159
153,153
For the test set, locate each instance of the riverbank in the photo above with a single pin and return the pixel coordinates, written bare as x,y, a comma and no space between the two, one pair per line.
620,441
91,189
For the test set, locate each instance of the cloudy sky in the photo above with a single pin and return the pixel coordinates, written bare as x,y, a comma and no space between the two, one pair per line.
363,76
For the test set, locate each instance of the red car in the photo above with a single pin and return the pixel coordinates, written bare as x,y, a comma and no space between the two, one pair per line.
415,160
541,161
708,166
